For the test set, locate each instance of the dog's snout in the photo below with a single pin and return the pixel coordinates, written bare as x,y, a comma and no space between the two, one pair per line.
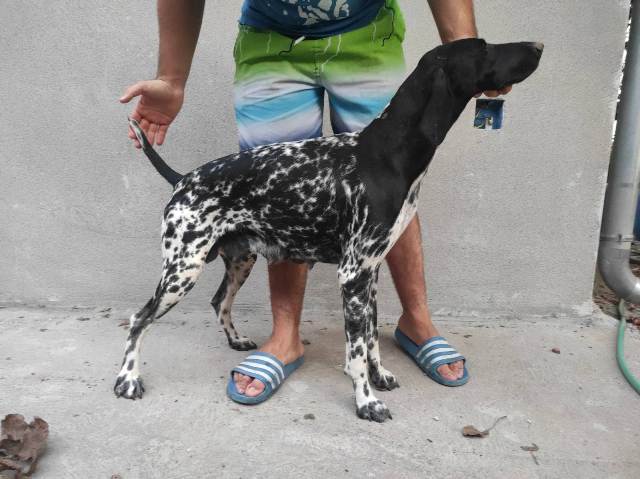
539,46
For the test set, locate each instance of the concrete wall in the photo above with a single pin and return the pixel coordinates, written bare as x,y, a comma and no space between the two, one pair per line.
511,217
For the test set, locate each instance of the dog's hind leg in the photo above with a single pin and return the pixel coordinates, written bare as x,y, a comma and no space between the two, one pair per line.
128,383
381,378
359,306
182,267
237,271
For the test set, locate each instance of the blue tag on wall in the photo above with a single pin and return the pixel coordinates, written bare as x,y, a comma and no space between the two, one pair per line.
488,114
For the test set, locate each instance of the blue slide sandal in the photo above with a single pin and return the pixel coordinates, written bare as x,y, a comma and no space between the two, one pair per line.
266,368
432,354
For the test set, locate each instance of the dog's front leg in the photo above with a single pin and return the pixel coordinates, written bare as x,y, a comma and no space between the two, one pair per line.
359,306
382,378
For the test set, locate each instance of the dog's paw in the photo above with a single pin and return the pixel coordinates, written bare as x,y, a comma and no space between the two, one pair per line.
128,388
383,380
374,410
242,344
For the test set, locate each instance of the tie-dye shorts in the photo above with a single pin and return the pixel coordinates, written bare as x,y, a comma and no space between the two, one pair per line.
280,82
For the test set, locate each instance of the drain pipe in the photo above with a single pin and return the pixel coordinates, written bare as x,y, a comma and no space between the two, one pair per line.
624,174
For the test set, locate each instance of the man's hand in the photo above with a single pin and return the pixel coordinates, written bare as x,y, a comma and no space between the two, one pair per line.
495,93
160,102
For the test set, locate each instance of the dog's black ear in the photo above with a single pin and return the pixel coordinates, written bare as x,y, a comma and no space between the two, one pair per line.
438,111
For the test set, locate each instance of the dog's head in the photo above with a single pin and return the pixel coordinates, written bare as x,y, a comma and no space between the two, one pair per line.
473,65
452,73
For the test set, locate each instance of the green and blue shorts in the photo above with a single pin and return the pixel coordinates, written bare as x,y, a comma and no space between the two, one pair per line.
280,82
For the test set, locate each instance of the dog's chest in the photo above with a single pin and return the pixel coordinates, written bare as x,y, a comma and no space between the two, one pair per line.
406,214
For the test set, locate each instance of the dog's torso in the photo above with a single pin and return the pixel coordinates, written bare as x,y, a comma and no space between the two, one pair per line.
303,201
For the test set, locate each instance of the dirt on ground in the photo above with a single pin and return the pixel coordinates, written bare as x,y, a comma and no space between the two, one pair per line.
608,301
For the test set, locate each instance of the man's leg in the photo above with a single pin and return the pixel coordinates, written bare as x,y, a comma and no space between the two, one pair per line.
276,100
287,282
359,88
406,263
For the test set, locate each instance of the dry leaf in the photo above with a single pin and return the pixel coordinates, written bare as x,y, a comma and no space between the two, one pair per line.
533,448
21,444
472,431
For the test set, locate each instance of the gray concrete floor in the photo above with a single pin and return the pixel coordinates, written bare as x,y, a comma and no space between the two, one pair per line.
575,406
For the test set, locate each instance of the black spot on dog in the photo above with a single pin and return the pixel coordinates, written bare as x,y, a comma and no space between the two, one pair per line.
191,236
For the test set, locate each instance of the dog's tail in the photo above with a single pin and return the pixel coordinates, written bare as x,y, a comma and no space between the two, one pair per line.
159,164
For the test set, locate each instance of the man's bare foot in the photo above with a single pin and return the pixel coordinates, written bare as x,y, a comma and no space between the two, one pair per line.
287,349
419,327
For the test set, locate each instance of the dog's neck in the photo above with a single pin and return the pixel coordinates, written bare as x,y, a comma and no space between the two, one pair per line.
397,142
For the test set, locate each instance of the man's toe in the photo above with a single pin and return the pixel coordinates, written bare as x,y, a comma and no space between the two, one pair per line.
242,382
447,373
458,369
254,388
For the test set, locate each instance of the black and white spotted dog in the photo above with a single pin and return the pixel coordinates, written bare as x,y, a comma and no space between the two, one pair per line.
343,199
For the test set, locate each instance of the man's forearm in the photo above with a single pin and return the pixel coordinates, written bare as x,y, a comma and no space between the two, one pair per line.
454,18
179,27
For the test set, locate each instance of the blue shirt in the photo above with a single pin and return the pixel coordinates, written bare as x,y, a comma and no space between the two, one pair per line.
309,18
